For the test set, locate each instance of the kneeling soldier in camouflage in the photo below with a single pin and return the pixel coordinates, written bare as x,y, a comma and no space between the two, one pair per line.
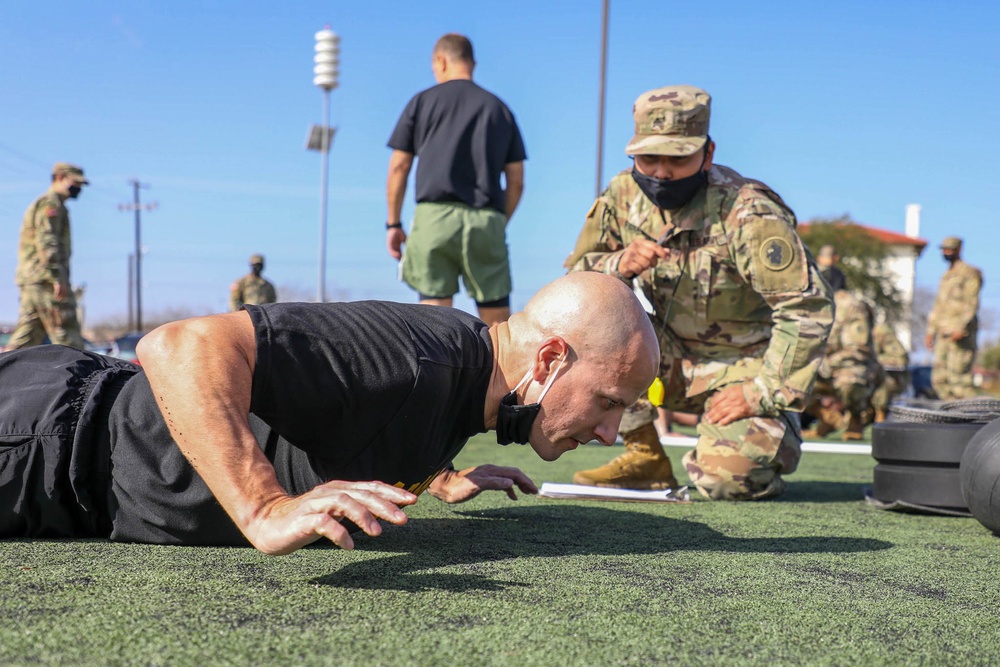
741,310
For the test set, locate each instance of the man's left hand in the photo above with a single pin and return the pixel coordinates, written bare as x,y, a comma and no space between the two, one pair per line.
957,336
457,486
394,240
729,405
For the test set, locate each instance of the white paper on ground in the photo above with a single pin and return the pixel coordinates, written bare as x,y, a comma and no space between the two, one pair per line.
581,492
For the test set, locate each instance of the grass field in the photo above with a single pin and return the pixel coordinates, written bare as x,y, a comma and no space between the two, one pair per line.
816,577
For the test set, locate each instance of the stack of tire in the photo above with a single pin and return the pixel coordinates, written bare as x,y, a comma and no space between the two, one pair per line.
941,456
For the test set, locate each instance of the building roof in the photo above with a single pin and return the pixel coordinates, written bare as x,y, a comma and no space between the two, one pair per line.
888,237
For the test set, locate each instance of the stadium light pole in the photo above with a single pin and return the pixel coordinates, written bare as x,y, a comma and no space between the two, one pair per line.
326,72
600,100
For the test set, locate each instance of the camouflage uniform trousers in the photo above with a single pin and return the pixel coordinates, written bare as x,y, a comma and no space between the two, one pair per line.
852,387
951,375
743,460
895,383
41,314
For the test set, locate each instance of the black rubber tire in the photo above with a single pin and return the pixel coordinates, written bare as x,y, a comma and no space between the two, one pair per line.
980,476
920,485
915,442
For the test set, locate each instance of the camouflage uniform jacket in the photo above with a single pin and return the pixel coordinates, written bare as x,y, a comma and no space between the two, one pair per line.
251,289
44,249
738,299
851,347
890,352
957,301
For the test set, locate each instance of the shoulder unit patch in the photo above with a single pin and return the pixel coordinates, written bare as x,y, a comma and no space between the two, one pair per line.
776,253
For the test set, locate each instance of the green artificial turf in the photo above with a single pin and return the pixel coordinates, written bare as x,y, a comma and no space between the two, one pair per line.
816,577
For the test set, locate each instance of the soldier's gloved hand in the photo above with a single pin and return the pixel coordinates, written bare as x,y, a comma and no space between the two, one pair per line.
640,255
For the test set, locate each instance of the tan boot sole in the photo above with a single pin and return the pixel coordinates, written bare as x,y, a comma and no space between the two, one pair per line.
638,485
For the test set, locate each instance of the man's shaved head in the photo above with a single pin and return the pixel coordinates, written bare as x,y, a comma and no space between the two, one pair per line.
597,316
586,341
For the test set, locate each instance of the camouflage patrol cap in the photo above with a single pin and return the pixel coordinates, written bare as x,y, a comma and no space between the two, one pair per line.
256,259
951,243
670,121
71,170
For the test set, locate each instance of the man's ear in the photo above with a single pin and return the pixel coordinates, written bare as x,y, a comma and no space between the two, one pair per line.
553,350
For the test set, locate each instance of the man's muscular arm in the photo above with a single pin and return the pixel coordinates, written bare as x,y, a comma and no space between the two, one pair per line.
201,374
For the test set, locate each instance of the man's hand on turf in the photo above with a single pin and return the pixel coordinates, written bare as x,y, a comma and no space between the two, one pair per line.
288,523
457,486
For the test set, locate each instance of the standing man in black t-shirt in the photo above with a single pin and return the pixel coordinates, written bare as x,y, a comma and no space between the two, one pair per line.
465,137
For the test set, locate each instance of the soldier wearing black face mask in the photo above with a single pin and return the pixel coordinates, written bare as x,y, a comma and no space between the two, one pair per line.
740,307
48,306
953,324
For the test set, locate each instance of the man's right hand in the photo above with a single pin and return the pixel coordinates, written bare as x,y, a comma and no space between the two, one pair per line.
640,255
394,240
288,523
929,341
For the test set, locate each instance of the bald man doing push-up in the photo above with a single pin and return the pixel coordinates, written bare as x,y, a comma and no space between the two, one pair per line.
269,425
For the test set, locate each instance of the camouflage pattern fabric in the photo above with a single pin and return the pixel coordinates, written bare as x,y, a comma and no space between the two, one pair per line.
955,310
740,461
43,257
41,313
951,374
850,370
738,300
251,289
894,360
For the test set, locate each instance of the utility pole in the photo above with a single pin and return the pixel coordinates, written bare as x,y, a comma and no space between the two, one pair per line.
137,206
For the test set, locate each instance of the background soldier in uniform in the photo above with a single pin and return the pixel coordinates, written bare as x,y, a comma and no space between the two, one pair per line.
849,373
48,305
895,362
827,259
741,310
953,324
252,288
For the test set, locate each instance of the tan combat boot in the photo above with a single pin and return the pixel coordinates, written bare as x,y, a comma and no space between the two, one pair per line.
855,428
826,423
642,466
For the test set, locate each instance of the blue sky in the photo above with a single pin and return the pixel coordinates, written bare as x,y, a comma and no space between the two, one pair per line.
842,107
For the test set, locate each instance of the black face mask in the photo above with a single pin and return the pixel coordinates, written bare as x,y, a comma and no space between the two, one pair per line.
74,191
949,258
671,194
514,421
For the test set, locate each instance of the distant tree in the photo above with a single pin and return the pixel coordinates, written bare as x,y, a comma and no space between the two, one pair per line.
862,259
989,356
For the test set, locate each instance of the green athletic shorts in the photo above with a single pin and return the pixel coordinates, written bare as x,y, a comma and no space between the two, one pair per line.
452,239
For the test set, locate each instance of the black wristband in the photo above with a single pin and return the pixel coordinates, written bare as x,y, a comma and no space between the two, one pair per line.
393,225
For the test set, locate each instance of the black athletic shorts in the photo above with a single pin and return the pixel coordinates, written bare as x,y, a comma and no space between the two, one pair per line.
54,444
